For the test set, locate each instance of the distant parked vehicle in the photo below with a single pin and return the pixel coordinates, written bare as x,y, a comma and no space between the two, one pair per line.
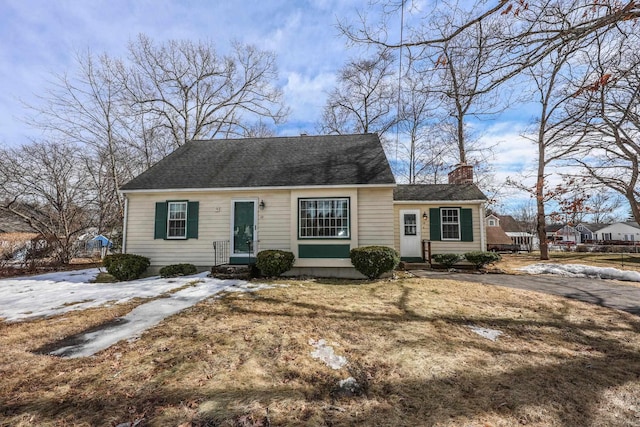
503,248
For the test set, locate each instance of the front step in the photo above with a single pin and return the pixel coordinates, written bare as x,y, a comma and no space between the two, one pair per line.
415,266
229,271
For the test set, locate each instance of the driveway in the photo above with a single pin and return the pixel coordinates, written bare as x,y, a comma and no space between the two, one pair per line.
607,293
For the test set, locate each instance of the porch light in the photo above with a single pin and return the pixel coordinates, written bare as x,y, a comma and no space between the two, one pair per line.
424,215
262,205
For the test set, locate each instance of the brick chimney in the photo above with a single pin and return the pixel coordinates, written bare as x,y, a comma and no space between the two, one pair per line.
462,174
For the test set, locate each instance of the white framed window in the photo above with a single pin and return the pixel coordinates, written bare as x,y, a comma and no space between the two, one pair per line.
492,223
450,223
324,218
176,220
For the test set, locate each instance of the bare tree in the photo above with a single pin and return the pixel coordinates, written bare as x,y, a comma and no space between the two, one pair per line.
604,205
364,98
86,108
195,93
44,184
524,42
462,73
611,144
422,154
554,86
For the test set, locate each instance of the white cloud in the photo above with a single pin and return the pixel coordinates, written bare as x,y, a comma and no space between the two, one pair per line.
306,95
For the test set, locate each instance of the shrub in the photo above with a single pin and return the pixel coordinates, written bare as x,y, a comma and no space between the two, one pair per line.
372,261
481,259
175,270
125,266
447,260
274,262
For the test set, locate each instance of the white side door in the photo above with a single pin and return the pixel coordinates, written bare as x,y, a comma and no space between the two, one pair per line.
410,232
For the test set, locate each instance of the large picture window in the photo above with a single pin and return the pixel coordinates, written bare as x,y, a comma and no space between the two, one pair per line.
177,220
450,221
323,218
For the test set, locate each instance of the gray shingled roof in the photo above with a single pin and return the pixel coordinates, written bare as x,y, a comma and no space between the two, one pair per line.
270,162
592,226
439,192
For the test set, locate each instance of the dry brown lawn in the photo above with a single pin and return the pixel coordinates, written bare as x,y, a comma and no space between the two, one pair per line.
244,360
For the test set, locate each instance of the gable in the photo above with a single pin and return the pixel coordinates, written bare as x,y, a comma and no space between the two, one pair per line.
330,160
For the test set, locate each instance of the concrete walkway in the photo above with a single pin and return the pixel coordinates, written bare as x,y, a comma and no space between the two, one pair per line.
607,293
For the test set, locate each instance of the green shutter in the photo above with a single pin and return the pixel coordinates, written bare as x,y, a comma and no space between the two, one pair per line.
466,225
161,221
192,220
434,224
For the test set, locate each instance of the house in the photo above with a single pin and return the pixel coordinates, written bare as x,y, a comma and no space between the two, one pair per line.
562,234
448,217
15,234
587,232
316,196
622,232
521,233
497,238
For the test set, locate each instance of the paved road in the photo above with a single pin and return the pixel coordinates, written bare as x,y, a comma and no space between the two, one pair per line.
607,293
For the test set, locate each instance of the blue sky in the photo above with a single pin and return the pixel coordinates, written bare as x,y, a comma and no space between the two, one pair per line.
41,37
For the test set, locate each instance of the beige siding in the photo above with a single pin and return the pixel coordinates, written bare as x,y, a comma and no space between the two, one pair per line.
442,246
375,208
372,218
213,224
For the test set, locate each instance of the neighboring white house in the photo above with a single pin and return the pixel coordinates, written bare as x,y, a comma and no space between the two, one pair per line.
619,231
316,196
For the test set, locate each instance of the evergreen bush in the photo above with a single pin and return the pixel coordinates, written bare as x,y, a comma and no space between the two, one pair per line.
274,262
175,270
447,260
373,261
481,259
126,266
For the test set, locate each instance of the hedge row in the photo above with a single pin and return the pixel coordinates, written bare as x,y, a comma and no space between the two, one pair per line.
478,258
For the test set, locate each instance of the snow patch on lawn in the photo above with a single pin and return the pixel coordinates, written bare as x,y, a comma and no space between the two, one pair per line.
326,354
144,317
56,293
579,270
490,334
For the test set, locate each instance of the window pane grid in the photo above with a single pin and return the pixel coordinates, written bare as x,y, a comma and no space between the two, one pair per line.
177,220
450,224
410,225
324,218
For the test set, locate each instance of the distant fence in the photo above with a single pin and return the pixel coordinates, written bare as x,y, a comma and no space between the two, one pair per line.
597,248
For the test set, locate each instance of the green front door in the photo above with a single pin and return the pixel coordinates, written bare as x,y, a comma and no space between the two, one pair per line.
243,229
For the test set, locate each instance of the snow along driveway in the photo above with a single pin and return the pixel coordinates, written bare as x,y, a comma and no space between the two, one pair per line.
57,293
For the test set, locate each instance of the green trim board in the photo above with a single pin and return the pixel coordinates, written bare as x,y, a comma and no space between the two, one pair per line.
411,259
242,260
323,251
